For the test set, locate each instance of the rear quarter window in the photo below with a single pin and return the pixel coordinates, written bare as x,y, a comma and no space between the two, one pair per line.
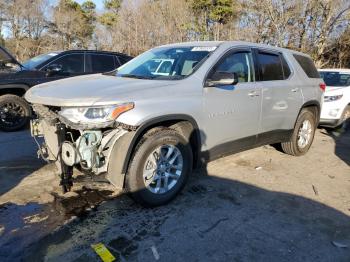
307,65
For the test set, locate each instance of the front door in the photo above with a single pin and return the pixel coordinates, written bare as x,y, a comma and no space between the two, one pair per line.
70,65
232,111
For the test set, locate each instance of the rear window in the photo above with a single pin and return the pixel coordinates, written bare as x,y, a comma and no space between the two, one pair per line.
307,65
270,66
335,78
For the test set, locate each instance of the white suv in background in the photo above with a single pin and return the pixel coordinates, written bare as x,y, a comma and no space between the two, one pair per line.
336,106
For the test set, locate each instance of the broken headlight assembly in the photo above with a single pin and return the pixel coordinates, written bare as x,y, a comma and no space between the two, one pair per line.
96,115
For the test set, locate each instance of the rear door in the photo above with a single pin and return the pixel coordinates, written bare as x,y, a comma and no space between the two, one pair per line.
281,100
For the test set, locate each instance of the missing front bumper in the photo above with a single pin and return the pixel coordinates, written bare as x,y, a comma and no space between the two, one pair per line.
88,150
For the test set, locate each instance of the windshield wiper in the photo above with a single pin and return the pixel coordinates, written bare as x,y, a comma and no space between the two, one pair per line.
136,76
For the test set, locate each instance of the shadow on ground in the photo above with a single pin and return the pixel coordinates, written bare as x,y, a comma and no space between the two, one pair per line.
213,219
18,158
341,138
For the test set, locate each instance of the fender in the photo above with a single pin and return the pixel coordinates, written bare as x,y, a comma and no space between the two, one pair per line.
123,148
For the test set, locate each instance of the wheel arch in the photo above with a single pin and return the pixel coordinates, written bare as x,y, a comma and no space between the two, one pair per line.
315,106
125,146
175,121
13,89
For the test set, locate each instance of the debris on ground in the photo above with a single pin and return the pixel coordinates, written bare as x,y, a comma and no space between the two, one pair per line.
36,218
155,253
315,190
103,252
339,244
78,202
2,229
258,168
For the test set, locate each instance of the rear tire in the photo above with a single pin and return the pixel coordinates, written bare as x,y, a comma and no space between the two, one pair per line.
303,134
151,164
15,113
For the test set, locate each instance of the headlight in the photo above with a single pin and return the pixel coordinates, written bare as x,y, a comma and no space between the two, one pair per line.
332,98
95,115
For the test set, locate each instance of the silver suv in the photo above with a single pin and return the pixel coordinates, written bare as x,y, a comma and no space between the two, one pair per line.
146,131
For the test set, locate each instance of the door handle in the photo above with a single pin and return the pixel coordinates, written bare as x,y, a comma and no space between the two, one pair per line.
295,89
253,94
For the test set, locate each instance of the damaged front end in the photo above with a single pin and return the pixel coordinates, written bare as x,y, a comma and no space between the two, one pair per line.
87,145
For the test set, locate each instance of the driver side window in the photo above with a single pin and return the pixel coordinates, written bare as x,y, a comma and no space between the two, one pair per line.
240,63
71,64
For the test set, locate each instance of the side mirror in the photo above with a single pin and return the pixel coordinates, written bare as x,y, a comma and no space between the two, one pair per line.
53,70
222,79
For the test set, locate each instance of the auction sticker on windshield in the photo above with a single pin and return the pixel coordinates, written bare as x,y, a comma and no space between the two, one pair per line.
204,48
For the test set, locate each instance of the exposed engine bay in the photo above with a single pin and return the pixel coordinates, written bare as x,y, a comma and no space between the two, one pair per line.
70,145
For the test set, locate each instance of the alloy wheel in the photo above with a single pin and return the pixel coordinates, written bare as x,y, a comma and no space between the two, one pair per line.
304,134
163,169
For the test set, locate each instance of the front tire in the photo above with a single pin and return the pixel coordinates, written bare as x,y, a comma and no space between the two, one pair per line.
159,168
303,134
15,113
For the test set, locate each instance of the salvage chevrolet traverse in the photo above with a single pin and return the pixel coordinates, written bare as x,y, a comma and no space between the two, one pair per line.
165,112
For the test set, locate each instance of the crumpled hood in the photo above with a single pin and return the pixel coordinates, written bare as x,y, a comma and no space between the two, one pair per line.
96,89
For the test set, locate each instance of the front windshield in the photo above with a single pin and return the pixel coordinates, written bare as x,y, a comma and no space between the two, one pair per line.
35,61
168,63
335,79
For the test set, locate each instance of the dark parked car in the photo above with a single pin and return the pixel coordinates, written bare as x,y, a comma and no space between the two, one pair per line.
17,78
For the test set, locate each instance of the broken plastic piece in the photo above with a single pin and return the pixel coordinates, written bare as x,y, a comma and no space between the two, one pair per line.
103,252
340,245
155,253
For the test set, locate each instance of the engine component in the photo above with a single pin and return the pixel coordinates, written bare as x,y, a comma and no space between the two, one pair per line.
69,154
87,146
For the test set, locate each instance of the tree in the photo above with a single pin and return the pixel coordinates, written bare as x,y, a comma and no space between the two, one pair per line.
73,23
25,22
211,15
306,25
110,17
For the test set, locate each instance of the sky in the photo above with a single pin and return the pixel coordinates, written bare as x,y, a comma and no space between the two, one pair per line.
98,3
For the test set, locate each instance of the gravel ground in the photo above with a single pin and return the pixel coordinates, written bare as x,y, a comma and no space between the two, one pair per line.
259,205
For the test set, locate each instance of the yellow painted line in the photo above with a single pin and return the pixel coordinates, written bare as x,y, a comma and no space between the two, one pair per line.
103,252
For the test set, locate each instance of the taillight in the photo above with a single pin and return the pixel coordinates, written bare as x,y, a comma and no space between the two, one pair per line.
323,87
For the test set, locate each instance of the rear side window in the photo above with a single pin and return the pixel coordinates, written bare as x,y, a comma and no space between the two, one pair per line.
271,67
100,63
307,65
